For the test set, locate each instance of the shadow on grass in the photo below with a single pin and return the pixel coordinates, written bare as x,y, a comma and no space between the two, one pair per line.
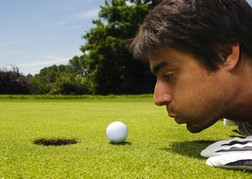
237,134
123,143
189,148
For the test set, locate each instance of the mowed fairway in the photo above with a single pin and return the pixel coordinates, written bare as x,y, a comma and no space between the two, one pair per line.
156,146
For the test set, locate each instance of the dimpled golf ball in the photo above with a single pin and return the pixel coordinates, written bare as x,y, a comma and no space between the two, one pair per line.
117,132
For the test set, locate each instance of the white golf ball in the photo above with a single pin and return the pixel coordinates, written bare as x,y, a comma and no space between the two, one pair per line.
117,132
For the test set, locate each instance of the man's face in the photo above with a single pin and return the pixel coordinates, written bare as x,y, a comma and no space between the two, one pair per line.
190,93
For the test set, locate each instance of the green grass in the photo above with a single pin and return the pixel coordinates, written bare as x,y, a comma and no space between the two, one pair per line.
156,146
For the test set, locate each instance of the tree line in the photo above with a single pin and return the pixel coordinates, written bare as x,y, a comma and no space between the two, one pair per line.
105,66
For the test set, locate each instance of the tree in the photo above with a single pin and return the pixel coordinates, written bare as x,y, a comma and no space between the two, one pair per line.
77,65
72,84
13,82
62,79
108,63
106,66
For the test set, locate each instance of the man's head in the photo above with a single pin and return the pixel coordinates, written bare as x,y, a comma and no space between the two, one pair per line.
197,49
205,29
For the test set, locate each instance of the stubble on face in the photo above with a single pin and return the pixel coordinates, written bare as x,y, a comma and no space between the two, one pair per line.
197,100
196,92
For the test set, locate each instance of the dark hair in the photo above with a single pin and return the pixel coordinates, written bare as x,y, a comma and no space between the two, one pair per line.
206,29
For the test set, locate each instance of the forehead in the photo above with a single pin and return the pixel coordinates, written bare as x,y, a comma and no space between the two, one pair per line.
171,58
167,57
170,54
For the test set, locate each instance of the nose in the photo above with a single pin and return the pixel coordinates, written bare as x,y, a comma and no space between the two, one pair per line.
162,94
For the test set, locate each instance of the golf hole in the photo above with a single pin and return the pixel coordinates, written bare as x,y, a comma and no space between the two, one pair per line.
55,142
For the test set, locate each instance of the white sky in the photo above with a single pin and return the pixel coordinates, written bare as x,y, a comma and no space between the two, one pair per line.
38,33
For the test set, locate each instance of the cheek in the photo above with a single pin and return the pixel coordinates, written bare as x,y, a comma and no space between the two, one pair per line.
195,99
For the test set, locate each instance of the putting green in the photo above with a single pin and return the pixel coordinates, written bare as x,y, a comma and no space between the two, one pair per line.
156,146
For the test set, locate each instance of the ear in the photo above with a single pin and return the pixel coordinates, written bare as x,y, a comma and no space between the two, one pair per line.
233,58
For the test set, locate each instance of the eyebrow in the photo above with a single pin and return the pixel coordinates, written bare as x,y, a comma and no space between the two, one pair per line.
159,66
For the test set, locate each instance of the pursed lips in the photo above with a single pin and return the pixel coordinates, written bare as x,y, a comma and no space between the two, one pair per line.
172,115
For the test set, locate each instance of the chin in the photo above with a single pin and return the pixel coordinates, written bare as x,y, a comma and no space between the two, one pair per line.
194,129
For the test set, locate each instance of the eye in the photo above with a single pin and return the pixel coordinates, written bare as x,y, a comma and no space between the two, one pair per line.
168,77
